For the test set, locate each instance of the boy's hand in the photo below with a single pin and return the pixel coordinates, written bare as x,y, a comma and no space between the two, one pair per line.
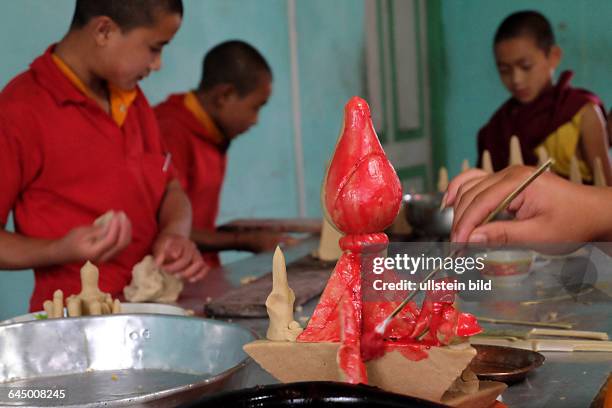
95,243
179,255
545,211
265,241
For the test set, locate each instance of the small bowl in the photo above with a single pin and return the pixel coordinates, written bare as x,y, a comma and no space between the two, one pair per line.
506,364
424,215
507,267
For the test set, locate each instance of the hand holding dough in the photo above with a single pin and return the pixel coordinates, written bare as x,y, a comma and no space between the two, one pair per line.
151,284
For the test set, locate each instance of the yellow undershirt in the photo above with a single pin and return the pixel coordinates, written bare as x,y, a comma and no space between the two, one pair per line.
561,145
120,100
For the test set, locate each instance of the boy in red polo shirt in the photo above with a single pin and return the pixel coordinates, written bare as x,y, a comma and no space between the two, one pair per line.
77,139
198,126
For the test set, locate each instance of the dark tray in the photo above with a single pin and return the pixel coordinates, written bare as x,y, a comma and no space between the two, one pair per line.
311,394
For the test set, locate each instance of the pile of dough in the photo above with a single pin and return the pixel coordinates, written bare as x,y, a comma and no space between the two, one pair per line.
91,301
151,284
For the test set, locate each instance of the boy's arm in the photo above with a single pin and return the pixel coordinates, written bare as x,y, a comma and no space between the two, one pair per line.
19,252
594,139
97,243
256,241
173,250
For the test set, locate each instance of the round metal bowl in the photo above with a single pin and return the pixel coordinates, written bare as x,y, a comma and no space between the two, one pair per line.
119,360
506,364
424,215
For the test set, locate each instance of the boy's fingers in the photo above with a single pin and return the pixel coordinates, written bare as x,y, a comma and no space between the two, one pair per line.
196,271
506,232
179,263
458,181
108,240
125,235
160,257
479,209
472,196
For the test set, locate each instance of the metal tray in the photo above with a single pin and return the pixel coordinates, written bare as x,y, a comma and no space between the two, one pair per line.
311,394
119,361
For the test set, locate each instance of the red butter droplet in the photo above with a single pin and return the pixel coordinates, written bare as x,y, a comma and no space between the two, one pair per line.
362,192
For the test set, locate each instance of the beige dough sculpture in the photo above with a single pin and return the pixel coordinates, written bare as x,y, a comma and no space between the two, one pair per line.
329,249
599,180
542,154
91,301
575,175
442,179
516,157
280,303
151,284
487,164
465,166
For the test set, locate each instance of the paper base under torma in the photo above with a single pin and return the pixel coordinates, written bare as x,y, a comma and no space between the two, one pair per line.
429,378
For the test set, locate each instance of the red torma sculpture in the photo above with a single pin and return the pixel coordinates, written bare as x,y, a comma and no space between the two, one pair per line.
361,197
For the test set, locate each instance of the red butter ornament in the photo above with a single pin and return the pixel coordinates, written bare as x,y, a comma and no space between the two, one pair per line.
361,196
362,193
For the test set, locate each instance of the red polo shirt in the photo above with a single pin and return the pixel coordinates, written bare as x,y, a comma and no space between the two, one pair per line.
199,157
64,162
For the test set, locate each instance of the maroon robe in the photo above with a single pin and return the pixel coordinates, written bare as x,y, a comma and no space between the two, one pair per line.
532,122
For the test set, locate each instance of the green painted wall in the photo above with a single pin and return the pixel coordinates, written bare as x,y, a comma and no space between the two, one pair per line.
261,179
465,84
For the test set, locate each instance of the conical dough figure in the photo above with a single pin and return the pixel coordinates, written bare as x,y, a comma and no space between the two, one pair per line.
442,179
542,154
329,248
487,164
575,175
91,300
598,175
280,303
516,157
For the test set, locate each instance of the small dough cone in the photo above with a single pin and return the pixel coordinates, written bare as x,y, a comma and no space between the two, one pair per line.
599,179
542,154
487,164
329,247
442,179
516,157
575,176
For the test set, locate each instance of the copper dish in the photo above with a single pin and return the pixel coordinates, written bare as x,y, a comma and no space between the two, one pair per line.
506,364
